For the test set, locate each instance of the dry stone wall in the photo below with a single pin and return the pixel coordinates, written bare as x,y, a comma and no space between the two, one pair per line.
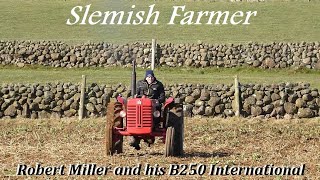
59,54
59,100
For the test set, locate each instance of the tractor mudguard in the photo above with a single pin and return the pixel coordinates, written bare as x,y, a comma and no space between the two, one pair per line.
121,100
168,101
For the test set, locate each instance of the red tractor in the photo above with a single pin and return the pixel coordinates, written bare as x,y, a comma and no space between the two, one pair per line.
142,118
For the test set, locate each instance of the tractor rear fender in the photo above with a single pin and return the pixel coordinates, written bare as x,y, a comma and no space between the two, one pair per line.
121,100
168,101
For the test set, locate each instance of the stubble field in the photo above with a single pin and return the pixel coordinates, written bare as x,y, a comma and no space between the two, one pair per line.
208,141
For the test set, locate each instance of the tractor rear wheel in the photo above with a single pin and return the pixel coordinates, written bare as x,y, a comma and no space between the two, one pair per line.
114,142
170,144
176,120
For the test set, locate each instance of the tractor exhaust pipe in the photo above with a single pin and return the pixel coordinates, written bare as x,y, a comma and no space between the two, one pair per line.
133,79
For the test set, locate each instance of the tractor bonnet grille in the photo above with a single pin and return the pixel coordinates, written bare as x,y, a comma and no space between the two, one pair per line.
139,116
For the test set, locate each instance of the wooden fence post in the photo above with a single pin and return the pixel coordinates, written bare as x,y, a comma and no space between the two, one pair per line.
83,91
236,96
153,51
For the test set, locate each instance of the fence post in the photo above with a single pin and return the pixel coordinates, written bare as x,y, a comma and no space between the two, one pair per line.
154,49
83,90
236,96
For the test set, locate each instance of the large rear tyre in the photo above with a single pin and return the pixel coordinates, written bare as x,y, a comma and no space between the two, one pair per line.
114,142
176,120
169,146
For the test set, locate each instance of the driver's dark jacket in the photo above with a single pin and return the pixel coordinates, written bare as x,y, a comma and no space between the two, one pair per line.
155,90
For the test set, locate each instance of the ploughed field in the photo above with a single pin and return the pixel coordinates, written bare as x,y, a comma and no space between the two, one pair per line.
208,141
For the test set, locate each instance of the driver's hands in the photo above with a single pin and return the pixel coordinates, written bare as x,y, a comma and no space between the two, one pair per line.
157,101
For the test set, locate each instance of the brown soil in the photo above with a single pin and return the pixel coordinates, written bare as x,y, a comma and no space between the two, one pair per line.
220,142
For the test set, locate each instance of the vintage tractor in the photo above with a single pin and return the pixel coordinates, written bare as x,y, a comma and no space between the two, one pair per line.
146,119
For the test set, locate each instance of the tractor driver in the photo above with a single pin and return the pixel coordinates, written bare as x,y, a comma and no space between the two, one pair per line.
153,89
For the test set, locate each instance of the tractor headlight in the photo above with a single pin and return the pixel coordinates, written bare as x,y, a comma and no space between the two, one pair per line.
123,114
156,114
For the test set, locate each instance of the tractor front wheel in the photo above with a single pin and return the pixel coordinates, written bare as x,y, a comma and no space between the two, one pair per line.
114,142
